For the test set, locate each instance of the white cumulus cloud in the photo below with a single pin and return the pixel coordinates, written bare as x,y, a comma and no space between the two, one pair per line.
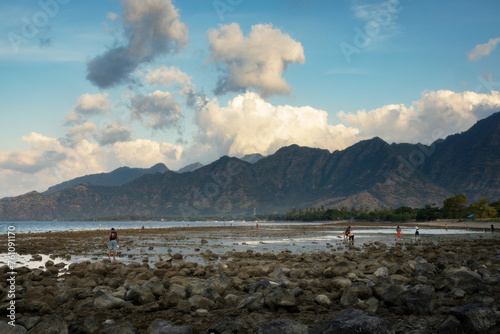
257,60
91,104
167,76
146,153
173,76
251,125
436,115
482,50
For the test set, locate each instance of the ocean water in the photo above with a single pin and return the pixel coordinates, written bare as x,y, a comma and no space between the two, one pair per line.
360,232
54,226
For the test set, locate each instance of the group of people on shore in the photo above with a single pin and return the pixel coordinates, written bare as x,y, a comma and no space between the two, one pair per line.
350,236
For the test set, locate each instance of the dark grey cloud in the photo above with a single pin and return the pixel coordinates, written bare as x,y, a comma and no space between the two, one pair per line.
113,133
151,28
20,162
158,109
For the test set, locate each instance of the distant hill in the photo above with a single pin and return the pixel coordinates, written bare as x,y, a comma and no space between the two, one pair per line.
252,158
371,173
117,177
190,168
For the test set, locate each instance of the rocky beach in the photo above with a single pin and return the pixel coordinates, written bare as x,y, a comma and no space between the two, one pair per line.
230,279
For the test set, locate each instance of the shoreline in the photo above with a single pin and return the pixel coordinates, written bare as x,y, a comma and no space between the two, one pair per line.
264,224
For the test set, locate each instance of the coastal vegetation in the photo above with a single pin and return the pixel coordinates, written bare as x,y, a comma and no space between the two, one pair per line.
455,207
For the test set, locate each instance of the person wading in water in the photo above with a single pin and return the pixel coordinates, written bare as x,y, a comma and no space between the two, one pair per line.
112,243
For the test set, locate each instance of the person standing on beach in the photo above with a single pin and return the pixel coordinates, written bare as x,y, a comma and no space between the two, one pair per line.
446,227
398,230
112,243
417,233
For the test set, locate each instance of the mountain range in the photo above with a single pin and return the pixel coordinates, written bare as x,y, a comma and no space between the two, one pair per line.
372,173
117,177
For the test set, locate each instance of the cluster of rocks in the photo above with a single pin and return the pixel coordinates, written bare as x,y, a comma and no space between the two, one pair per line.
418,288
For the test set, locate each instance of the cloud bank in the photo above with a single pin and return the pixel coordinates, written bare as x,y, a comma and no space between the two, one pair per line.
152,28
249,124
256,61
436,115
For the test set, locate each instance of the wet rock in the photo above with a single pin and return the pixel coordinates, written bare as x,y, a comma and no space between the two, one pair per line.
360,289
253,303
280,297
107,302
164,264
177,256
157,288
381,272
475,317
36,257
369,266
420,299
323,300
85,325
183,306
340,282
140,295
263,286
355,321
9,329
284,326
341,269
52,325
467,280
349,299
450,325
457,293
297,273
279,276
231,299
149,307
372,304
118,328
28,322
178,289
426,269
160,326
198,302
391,294
218,283
201,313
226,325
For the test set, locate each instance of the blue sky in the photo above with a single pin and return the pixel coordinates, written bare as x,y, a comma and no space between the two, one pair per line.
89,86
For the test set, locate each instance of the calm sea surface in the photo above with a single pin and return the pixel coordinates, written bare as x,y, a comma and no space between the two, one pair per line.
40,226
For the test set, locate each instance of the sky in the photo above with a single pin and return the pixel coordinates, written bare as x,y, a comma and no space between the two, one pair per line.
90,86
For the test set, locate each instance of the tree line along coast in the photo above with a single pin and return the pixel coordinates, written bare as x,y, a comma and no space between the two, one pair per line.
456,207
